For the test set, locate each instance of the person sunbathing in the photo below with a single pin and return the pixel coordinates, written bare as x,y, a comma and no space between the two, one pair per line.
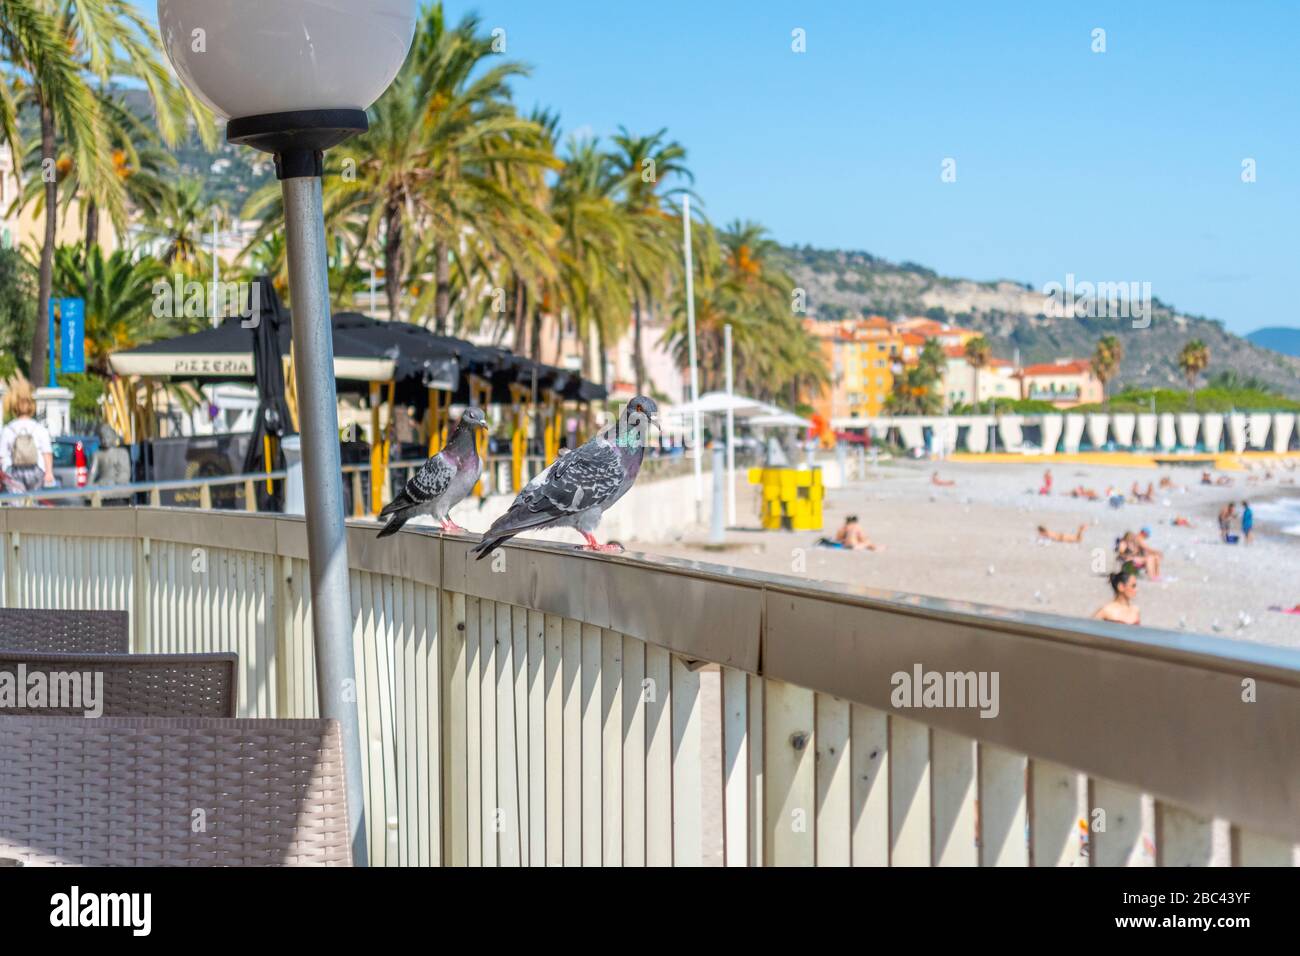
941,482
1129,553
1062,536
1152,556
1121,609
852,537
1082,492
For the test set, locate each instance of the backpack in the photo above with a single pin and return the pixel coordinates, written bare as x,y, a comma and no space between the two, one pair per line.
25,454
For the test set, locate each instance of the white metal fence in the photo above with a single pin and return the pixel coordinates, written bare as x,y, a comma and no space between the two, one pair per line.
550,707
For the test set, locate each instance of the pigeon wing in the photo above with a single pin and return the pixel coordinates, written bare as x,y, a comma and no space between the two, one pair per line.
431,480
585,478
573,483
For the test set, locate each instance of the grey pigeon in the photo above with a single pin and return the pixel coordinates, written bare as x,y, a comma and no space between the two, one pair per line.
578,488
442,481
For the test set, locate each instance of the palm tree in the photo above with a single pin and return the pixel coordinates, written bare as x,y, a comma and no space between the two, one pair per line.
177,225
1106,361
979,354
426,183
592,246
1192,361
35,41
916,390
100,40
643,163
140,164
741,284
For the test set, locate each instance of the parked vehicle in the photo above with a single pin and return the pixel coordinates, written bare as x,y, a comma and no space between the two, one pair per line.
72,456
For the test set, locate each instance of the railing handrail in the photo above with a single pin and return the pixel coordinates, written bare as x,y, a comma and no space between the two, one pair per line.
1149,709
1200,649
186,484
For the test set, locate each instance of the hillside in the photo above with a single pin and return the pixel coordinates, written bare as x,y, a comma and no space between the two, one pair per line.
1011,315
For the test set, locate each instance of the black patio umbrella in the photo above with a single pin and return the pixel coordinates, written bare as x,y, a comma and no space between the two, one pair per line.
272,419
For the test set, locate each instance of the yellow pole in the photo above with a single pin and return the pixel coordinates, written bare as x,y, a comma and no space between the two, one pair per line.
439,406
557,427
480,394
376,451
518,435
389,429
266,458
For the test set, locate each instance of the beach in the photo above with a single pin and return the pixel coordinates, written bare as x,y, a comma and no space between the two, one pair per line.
977,541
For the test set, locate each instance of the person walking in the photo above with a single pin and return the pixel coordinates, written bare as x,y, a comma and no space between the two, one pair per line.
26,450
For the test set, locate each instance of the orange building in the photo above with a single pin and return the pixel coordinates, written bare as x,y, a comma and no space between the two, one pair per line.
861,355
948,335
1065,383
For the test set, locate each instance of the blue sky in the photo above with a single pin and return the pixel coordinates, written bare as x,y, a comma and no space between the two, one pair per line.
1117,166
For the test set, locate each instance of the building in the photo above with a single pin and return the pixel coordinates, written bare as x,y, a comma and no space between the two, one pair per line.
1065,383
947,335
995,380
862,355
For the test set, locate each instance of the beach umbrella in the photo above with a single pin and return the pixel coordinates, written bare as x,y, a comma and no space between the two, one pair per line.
778,419
225,352
272,419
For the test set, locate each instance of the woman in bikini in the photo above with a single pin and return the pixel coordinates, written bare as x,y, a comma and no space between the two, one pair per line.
1121,609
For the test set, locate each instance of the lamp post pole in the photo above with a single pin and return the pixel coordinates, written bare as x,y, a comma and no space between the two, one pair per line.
295,78
327,547
697,450
298,141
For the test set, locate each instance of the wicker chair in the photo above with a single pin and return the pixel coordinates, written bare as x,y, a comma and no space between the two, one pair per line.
124,791
134,685
65,632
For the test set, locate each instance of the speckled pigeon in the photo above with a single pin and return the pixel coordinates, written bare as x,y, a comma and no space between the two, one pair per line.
578,488
442,481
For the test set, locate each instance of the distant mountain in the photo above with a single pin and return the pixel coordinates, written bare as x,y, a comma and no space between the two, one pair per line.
1277,338
841,284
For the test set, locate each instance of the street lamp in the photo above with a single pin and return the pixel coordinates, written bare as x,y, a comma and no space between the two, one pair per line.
293,78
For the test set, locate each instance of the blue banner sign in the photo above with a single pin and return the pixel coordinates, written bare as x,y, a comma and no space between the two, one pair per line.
73,326
73,357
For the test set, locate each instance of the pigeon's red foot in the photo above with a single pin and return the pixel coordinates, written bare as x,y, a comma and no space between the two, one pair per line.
594,545
450,525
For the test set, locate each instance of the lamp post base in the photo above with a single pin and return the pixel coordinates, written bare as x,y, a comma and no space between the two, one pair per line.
298,138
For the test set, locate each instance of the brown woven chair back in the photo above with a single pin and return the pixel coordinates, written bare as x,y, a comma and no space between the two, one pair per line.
64,632
126,791
118,685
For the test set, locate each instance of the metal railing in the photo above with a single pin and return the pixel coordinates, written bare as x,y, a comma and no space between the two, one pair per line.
548,706
200,490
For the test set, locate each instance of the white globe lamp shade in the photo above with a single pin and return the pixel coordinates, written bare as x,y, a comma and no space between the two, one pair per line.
255,57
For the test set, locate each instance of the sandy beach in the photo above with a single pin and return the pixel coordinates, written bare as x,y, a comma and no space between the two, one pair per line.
977,541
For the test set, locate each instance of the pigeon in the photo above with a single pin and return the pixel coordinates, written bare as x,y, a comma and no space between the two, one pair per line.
577,489
442,481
